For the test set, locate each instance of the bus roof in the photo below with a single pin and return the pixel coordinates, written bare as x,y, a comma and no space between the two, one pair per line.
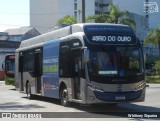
64,32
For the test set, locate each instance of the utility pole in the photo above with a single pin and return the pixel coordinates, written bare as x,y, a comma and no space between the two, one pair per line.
83,11
79,13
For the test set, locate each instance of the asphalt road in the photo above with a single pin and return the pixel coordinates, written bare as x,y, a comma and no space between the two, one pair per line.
13,101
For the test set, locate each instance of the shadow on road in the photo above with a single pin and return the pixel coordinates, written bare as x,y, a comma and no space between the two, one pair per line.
45,99
102,110
17,106
13,89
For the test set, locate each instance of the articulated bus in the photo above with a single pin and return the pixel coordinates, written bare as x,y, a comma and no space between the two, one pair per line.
83,63
9,68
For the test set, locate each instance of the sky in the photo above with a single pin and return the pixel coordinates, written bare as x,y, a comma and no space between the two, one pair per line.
13,14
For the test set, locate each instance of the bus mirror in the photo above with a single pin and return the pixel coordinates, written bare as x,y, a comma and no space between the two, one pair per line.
85,55
3,65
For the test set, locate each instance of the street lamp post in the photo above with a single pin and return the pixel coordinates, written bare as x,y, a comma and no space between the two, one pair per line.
83,11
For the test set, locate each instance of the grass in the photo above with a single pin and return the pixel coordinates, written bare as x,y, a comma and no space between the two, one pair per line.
153,79
9,81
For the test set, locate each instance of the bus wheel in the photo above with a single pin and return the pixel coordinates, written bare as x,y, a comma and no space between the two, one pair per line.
64,96
28,91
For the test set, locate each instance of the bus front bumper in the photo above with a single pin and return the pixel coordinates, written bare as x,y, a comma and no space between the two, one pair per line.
115,97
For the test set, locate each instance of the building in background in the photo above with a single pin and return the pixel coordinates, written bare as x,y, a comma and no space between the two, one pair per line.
45,15
6,47
138,7
141,26
23,33
10,40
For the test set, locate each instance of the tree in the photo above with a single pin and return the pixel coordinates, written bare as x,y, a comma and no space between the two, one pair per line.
114,16
67,20
157,67
153,37
101,18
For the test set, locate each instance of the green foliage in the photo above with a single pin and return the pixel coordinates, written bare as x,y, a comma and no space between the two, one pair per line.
151,59
9,81
153,37
152,79
157,67
114,16
154,76
67,20
128,22
101,18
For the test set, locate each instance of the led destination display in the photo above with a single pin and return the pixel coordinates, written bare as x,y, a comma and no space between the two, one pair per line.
111,39
110,34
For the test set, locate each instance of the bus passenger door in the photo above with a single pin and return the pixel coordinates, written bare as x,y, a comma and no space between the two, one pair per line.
38,69
76,67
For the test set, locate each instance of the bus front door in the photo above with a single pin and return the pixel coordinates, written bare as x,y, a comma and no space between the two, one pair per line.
77,63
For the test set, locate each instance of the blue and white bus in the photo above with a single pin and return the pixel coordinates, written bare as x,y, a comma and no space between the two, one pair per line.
83,63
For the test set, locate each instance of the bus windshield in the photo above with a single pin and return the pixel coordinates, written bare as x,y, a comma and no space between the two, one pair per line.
115,61
10,65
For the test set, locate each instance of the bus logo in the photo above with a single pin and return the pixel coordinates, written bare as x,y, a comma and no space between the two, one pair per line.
150,7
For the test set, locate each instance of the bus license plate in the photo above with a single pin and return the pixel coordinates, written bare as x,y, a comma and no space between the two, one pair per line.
120,98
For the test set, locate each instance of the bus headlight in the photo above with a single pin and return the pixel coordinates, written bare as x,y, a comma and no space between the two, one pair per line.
95,88
140,86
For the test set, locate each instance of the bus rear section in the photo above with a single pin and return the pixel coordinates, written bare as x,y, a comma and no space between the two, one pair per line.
94,63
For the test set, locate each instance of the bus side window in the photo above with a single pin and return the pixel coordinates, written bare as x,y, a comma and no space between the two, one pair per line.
31,62
28,62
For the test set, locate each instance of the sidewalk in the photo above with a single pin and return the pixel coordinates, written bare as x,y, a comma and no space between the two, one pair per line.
2,83
153,85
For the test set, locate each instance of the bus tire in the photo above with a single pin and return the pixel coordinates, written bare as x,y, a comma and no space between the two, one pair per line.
28,91
64,96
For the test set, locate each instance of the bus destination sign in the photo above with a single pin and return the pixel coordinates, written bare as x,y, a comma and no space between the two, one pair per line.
111,39
107,28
